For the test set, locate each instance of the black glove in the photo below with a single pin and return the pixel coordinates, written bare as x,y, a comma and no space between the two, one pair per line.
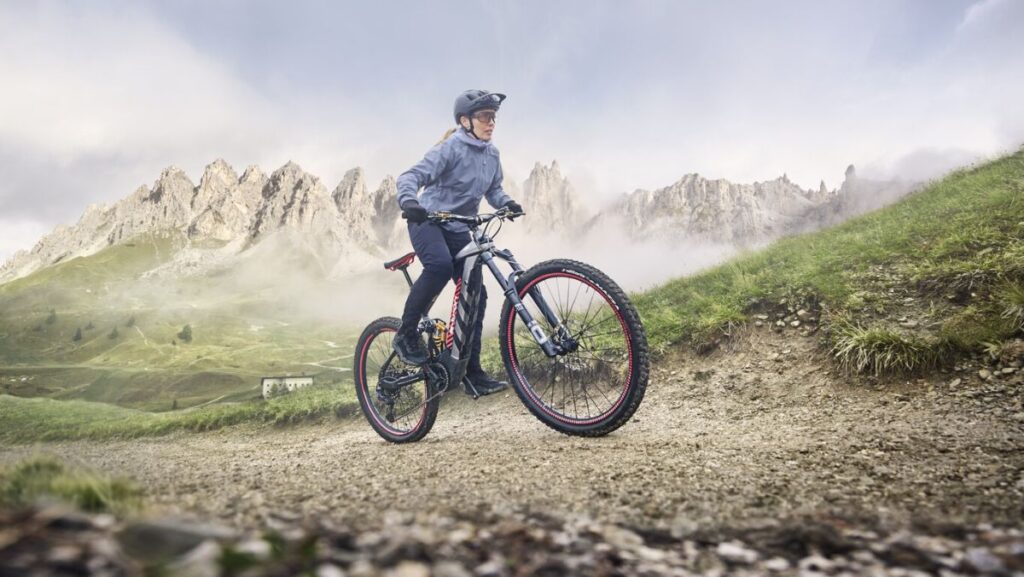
514,208
413,212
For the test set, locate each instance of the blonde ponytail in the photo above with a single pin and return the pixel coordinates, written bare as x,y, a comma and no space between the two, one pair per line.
450,132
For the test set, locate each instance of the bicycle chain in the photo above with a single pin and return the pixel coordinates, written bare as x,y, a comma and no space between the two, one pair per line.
428,399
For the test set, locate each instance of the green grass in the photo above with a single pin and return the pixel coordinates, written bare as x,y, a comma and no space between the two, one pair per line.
47,478
1011,298
949,247
41,419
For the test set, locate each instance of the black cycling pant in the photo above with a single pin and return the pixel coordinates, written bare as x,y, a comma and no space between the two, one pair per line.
436,248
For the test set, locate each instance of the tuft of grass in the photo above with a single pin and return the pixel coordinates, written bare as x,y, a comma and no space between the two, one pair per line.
47,478
1011,298
883,351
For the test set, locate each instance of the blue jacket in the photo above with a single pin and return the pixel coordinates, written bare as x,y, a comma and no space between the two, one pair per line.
456,174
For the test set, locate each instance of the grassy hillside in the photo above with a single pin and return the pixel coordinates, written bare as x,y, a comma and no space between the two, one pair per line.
938,274
97,328
910,287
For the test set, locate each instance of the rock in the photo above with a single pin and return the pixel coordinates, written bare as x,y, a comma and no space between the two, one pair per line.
450,569
258,548
985,374
328,570
794,324
621,538
955,382
64,554
683,527
982,560
734,552
159,541
409,569
202,561
495,567
776,564
815,563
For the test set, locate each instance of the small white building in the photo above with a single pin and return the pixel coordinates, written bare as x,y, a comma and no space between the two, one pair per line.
274,386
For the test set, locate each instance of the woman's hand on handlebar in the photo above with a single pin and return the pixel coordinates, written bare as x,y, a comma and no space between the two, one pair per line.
445,216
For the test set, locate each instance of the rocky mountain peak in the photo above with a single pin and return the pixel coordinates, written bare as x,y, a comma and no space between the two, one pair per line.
253,174
218,171
172,184
351,191
551,200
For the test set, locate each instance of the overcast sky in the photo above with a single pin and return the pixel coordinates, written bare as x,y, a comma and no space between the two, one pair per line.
97,97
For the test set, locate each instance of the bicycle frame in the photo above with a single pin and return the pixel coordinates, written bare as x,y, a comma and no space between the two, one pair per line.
480,252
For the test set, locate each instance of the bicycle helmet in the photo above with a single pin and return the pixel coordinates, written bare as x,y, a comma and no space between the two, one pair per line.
471,101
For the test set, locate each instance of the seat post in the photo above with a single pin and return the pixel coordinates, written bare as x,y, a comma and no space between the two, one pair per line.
408,279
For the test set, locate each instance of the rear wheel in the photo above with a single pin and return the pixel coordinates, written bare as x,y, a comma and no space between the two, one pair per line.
399,414
598,383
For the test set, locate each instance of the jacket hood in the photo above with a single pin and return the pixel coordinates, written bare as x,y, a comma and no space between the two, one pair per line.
464,135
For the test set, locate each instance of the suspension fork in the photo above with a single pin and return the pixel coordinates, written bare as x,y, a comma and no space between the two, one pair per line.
508,287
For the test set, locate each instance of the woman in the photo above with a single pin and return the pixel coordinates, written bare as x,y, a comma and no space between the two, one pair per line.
456,173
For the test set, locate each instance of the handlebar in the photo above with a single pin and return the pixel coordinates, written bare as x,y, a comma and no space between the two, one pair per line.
445,216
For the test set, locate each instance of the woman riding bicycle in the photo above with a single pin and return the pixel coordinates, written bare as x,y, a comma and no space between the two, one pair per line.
455,175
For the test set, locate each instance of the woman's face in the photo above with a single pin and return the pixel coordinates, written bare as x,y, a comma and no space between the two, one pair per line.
482,123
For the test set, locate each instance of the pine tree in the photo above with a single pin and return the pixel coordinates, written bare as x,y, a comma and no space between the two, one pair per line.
78,335
131,322
89,326
113,334
186,334
52,318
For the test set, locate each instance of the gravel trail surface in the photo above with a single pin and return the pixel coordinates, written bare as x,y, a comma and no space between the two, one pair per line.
759,429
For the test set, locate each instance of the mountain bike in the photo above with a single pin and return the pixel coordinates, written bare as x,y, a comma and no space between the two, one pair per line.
572,344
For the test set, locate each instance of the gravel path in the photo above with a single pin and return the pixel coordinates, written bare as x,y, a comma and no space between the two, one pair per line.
756,430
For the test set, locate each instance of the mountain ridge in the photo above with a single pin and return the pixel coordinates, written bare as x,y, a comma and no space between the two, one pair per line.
356,223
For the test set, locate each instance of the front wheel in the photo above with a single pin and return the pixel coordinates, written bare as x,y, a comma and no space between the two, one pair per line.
597,383
399,414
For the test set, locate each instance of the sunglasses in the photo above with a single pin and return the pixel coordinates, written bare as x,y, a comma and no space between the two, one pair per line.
486,116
